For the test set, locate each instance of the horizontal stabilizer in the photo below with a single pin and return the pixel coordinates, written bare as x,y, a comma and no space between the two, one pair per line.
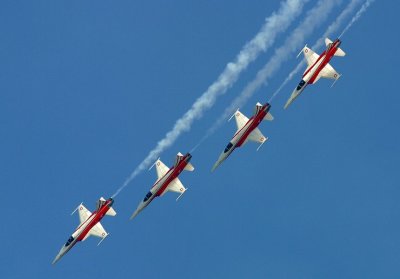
268,117
189,167
340,52
111,212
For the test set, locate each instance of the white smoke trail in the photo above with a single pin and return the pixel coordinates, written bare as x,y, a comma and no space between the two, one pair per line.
363,8
329,31
314,17
275,24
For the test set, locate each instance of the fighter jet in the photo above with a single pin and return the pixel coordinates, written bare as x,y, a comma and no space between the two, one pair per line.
318,66
246,130
89,225
167,180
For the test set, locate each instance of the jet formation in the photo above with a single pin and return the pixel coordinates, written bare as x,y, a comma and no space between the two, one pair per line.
247,130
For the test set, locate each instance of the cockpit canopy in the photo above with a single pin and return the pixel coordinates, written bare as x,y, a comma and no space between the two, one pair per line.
301,84
69,241
148,195
228,147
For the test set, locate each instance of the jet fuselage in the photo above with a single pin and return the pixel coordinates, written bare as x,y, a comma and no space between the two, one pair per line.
161,184
84,228
241,135
312,73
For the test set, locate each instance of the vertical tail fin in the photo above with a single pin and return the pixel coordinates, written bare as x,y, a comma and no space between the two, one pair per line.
179,157
257,108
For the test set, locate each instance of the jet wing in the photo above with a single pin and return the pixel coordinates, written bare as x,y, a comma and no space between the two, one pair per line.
240,119
257,136
310,56
328,72
161,168
175,186
84,213
97,230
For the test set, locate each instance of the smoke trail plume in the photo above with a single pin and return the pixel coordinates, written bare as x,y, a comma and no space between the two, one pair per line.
363,8
314,17
275,24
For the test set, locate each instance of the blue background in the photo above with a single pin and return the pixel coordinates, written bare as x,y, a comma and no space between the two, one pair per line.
87,88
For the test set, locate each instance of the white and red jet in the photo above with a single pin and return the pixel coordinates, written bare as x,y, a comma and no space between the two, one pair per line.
318,66
247,129
89,225
167,180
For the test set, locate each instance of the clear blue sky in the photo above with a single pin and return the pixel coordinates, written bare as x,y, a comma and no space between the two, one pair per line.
87,88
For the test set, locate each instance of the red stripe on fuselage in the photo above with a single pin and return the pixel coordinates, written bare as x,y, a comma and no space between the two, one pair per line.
326,56
313,65
99,214
255,121
174,173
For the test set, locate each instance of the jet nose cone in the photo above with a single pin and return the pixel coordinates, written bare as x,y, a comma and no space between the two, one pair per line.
294,95
223,156
217,163
56,259
215,166
134,214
